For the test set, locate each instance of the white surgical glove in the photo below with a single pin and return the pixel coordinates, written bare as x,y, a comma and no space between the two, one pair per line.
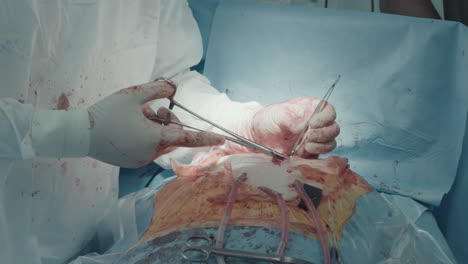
278,126
115,130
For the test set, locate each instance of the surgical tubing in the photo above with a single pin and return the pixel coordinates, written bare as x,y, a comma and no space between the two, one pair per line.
227,214
284,218
315,217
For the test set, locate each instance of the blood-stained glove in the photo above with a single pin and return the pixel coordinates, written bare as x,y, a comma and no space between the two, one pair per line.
123,135
278,126
115,130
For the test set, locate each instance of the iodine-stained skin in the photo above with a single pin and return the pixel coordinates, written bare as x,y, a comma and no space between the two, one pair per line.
197,197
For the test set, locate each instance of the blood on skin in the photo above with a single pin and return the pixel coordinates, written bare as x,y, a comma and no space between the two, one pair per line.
63,103
276,160
64,168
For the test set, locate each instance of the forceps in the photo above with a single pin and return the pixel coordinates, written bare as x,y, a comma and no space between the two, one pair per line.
319,108
200,252
235,137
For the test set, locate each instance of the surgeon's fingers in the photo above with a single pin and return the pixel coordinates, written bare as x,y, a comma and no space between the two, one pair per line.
320,148
171,136
306,155
149,91
311,150
324,118
323,134
168,115
147,110
163,113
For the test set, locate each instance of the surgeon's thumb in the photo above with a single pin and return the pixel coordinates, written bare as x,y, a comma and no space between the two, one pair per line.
173,136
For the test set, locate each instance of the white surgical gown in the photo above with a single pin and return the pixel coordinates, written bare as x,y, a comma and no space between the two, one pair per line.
68,54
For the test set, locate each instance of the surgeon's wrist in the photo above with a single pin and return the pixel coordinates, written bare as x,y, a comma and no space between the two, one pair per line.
58,133
243,126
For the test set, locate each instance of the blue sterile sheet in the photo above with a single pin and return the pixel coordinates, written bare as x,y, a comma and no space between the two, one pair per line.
402,100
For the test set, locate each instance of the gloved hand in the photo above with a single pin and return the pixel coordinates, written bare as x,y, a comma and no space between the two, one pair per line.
121,133
115,130
278,126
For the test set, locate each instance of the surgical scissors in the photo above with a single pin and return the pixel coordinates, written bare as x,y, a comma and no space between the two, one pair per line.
235,137
201,252
319,108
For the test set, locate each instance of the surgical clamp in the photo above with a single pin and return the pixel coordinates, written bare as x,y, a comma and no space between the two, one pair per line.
235,137
319,108
203,252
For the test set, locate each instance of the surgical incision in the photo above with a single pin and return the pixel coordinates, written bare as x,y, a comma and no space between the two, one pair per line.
198,196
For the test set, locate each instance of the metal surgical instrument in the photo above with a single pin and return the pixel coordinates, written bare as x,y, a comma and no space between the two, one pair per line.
235,137
319,108
201,252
